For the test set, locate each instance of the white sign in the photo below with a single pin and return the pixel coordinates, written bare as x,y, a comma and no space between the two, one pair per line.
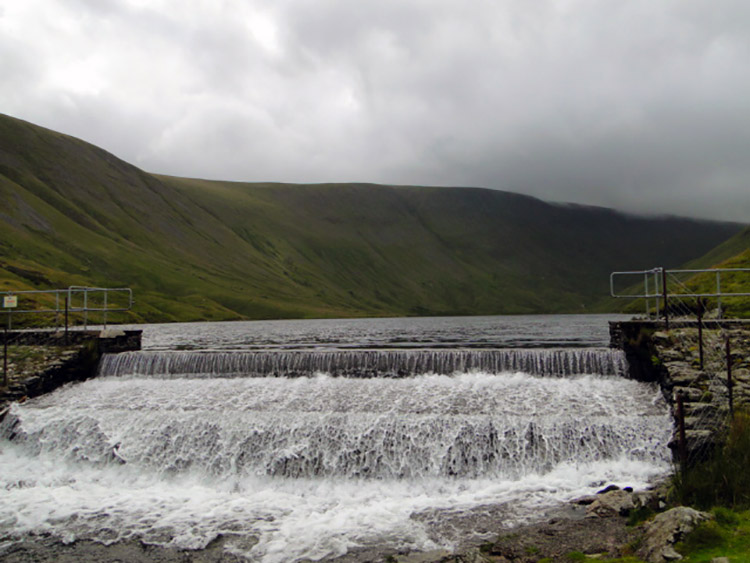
10,301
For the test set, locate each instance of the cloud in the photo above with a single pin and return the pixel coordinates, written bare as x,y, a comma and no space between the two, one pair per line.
638,105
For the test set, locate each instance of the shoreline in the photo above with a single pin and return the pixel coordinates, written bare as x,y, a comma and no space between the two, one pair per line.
557,532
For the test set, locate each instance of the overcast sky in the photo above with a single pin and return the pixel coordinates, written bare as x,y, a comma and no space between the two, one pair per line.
641,105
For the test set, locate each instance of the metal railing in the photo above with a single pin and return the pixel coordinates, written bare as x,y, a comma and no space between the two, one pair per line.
74,299
656,285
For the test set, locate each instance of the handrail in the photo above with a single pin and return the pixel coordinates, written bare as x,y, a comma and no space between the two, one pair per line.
69,292
659,284
658,272
68,305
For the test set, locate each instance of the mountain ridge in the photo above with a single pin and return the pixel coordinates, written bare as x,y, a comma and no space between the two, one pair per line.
197,249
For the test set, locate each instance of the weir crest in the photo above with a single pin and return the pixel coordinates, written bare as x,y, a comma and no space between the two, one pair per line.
366,363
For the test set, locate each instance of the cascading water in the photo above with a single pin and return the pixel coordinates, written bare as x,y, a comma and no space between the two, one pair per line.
366,363
178,448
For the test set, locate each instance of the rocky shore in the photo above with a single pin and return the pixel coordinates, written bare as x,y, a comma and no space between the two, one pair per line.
600,526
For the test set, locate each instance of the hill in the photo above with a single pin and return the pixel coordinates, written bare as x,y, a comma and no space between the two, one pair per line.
734,254
197,249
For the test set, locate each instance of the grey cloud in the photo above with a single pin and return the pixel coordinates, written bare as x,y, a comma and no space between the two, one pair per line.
639,105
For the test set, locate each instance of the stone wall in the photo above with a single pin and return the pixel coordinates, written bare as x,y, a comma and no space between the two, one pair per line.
109,339
671,358
41,361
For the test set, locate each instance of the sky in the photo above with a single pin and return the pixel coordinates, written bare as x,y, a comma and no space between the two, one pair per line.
639,105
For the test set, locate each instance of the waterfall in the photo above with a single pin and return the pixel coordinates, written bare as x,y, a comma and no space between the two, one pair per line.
290,454
365,363
463,426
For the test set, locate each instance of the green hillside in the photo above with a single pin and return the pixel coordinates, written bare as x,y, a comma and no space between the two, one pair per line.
734,254
194,249
734,251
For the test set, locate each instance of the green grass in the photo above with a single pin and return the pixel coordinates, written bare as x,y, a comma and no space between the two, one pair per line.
718,538
728,535
723,479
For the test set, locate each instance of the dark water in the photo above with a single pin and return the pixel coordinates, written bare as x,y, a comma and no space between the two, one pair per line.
522,331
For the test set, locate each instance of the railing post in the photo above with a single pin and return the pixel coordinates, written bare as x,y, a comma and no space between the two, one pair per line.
719,314
682,441
5,357
700,332
664,293
66,320
730,383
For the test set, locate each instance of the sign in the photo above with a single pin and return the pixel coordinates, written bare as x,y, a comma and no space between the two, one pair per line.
10,301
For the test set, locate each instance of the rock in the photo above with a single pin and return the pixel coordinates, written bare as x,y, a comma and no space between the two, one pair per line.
584,501
428,557
613,503
649,499
671,356
665,530
720,560
473,556
662,338
692,394
701,422
111,333
682,375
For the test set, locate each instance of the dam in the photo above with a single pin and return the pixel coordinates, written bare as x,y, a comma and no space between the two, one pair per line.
313,439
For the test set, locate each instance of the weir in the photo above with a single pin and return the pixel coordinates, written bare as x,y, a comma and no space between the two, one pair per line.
366,363
469,425
293,450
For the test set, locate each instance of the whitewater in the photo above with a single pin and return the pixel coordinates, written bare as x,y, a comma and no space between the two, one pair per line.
311,447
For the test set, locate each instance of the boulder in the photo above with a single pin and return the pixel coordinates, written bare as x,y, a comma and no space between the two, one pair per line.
662,338
613,503
584,501
666,529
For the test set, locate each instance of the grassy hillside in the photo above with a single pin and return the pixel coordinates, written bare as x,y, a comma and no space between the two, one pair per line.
734,253
196,249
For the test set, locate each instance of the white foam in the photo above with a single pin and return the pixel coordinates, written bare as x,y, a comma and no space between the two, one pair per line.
291,518
191,475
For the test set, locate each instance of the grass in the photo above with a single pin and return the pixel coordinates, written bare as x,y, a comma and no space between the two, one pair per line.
719,538
727,535
724,478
